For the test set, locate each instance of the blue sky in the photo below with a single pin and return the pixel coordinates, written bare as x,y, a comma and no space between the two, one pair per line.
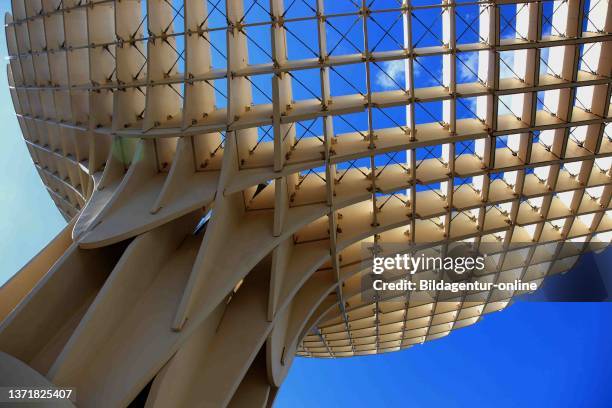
533,354
28,217
529,355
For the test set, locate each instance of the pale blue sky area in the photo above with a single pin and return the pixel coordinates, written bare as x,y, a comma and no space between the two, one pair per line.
533,354
28,217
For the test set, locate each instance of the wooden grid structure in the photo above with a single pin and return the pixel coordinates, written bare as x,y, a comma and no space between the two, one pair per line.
215,232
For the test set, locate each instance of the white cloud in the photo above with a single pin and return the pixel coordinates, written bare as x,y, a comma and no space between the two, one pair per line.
417,69
504,69
394,74
424,78
544,57
464,72
472,104
504,105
